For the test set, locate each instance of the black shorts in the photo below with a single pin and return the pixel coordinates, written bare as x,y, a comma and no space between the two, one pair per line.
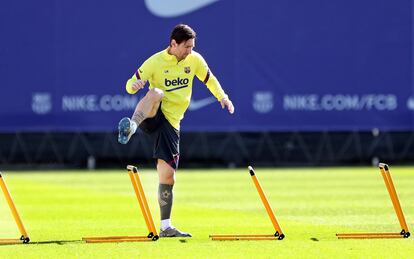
165,137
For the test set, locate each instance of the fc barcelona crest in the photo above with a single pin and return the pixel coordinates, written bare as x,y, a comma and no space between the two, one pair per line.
187,70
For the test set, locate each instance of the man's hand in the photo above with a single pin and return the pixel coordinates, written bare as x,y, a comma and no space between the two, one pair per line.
226,103
139,84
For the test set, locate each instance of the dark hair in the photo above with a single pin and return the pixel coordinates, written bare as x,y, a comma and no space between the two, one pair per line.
182,32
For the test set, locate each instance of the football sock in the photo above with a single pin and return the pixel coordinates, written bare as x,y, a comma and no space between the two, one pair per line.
165,223
165,200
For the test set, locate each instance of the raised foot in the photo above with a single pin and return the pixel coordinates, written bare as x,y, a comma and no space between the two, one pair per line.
124,130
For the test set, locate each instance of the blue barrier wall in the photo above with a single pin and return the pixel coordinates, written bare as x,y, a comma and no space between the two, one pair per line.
287,65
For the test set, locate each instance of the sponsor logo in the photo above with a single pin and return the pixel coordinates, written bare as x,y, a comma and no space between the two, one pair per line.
96,103
41,103
263,101
176,82
410,103
187,70
198,104
174,8
340,102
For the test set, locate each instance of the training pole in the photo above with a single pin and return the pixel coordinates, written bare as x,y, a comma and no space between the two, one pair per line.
278,235
278,230
141,203
404,233
394,197
139,192
24,237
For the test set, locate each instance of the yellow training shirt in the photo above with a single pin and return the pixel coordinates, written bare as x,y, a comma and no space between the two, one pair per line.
175,79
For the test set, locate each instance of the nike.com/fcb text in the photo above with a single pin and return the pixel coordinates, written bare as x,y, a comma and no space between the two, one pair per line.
340,102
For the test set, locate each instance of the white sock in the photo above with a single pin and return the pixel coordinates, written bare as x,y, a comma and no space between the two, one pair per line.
133,127
165,223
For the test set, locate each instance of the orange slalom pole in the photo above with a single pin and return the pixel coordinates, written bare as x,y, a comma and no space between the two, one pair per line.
141,203
144,201
114,237
242,235
16,216
118,240
139,192
397,235
266,204
10,241
370,234
243,238
394,197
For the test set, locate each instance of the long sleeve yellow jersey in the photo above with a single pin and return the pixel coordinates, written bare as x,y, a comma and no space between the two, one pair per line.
175,79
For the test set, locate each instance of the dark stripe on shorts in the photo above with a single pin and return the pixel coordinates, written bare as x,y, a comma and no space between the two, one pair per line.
207,77
174,163
170,90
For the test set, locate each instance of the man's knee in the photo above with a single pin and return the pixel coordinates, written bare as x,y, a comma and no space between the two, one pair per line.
165,172
169,179
155,95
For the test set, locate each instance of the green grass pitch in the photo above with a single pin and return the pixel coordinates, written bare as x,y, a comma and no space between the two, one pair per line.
311,205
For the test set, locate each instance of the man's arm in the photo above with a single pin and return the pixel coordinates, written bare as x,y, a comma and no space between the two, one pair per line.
206,76
215,88
226,103
140,78
134,84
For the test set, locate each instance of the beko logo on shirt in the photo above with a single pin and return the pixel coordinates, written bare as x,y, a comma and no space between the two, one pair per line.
175,82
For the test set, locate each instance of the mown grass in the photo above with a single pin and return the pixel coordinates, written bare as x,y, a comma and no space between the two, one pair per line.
311,205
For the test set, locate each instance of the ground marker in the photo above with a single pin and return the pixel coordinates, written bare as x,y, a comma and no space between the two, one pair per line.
142,200
24,237
404,233
278,235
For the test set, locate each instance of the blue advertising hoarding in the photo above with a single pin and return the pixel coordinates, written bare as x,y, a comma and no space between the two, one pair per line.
286,65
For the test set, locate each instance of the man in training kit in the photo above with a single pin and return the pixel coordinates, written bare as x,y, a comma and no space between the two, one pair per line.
170,73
